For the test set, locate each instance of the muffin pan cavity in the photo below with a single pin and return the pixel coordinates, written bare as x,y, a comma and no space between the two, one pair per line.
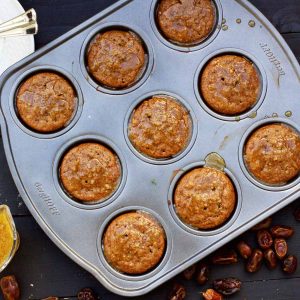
231,52
165,111
149,110
245,168
94,165
156,220
36,87
178,38
130,45
212,162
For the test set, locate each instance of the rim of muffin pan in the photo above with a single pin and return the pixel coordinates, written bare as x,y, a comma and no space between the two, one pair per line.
144,74
269,187
187,47
200,232
89,205
193,133
261,73
33,71
156,269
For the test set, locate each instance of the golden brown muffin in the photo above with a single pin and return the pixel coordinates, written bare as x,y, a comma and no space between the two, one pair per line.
204,198
134,243
46,102
230,84
187,21
90,172
116,58
160,127
272,154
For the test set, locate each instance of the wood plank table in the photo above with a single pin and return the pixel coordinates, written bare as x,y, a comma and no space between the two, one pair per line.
43,270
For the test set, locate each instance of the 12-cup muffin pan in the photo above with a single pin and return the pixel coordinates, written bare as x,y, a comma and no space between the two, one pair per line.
146,184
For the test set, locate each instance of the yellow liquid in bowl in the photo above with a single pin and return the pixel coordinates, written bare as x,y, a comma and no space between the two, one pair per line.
6,237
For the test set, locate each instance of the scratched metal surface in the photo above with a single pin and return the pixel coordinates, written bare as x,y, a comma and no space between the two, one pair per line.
146,185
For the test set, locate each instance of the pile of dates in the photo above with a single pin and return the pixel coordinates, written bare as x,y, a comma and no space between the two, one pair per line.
272,249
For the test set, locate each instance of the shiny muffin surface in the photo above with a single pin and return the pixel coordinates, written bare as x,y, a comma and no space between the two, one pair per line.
46,102
230,84
160,127
116,58
204,198
134,243
186,22
90,172
272,154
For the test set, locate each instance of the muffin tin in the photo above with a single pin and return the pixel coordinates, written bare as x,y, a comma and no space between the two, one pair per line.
147,184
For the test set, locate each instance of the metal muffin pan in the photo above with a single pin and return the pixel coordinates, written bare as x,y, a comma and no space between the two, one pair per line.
146,184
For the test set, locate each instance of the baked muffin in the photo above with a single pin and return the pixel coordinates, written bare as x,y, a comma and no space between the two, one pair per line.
230,84
204,198
272,154
46,102
186,22
134,243
160,127
116,58
90,172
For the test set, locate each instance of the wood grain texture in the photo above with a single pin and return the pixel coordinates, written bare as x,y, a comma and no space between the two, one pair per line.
43,270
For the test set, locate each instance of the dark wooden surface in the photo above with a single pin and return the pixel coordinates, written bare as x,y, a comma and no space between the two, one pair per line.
44,270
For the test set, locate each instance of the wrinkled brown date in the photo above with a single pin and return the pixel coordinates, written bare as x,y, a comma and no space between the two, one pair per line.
255,261
282,231
10,288
297,214
178,292
189,273
211,294
227,286
290,264
270,258
244,249
281,248
265,224
264,239
202,273
225,258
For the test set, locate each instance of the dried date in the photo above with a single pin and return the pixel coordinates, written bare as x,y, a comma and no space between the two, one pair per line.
202,273
86,294
10,288
227,286
178,292
211,294
265,224
264,239
244,249
281,248
255,261
282,231
189,273
290,264
270,258
225,258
